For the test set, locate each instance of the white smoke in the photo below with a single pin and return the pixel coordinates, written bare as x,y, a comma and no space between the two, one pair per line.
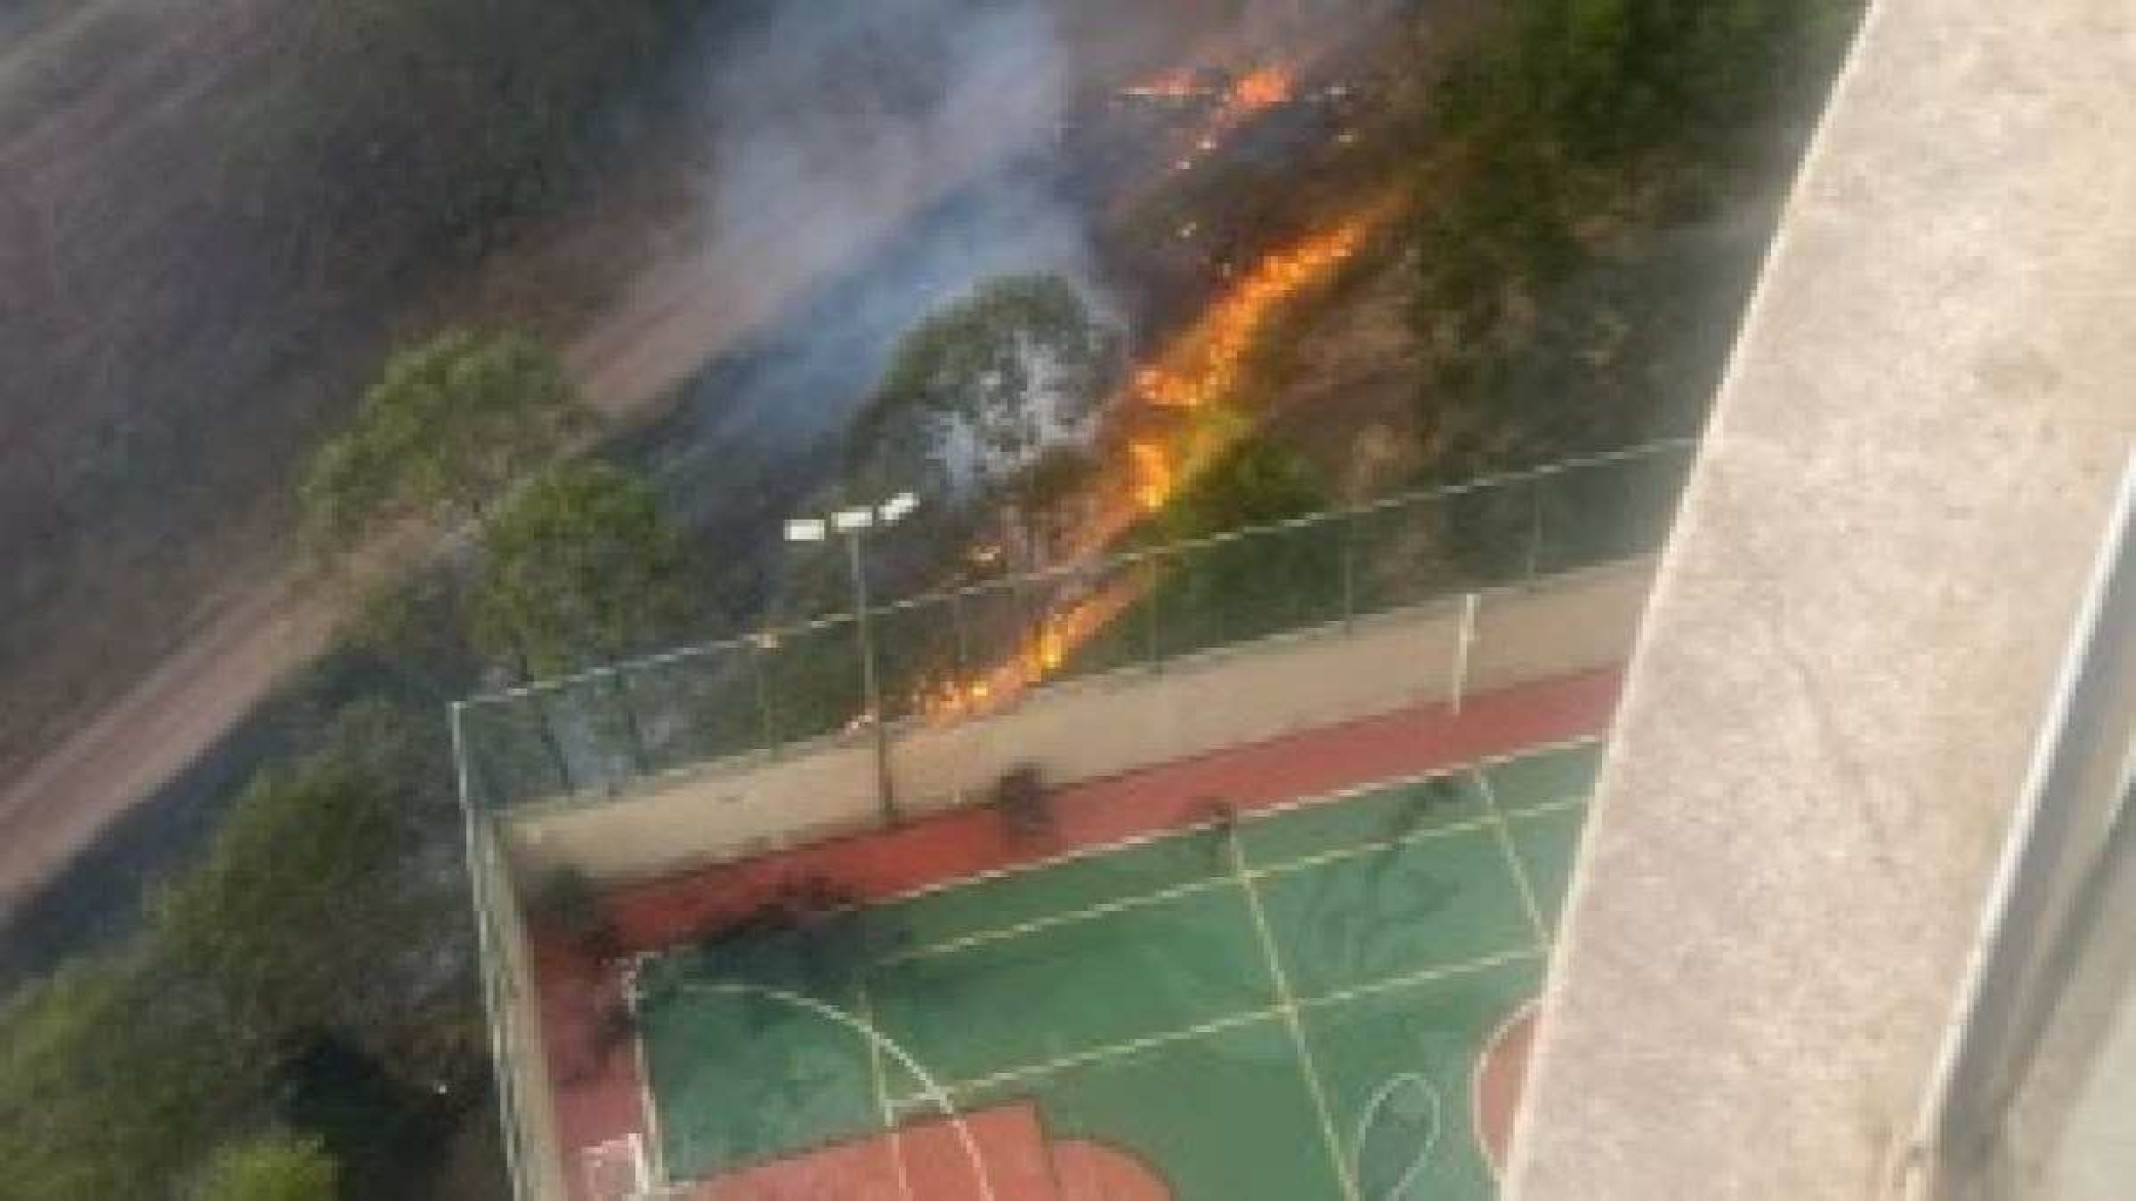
842,134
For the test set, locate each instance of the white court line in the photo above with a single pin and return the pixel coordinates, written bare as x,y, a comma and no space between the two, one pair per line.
1066,917
1368,1120
1425,976
932,1087
865,1010
1326,798
1287,1004
1520,874
1119,1050
1543,808
1306,863
1136,1046
1498,1032
1359,850
1069,917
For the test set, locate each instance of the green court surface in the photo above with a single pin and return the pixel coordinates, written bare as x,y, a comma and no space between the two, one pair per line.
1286,1008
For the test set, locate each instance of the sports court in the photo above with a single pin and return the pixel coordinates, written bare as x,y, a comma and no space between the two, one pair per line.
1289,1003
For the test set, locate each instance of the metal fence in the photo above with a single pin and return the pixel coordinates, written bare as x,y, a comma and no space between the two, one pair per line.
941,655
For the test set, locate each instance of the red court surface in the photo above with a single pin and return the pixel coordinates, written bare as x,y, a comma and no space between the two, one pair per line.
599,1091
999,1154
1500,1076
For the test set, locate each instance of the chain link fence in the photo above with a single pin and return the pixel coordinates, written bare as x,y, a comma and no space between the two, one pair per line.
944,655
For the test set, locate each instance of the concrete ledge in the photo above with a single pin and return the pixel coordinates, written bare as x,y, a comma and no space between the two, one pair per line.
1096,727
1856,627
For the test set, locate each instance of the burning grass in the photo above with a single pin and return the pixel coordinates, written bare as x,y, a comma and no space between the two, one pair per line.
1226,102
1180,413
1185,402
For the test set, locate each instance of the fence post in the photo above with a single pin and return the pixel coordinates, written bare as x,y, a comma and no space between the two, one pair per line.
1216,601
1535,524
462,768
640,754
1462,642
1154,623
960,650
559,757
767,731
1349,570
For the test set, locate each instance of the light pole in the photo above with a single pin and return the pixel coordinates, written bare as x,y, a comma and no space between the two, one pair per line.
855,523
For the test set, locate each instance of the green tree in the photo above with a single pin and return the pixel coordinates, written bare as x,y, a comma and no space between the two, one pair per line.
113,1076
582,566
312,908
272,1167
324,904
1044,495
1224,591
1258,480
977,393
444,436
447,429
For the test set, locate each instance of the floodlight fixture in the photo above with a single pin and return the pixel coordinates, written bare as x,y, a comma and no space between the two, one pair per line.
898,507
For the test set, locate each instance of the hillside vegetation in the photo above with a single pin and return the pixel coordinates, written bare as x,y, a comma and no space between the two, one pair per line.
1568,151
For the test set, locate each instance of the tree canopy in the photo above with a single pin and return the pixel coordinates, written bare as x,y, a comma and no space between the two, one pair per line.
979,392
316,908
581,565
317,850
273,1167
448,427
1257,481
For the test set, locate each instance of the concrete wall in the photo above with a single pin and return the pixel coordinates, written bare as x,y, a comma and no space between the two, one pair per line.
1096,727
1856,627
2039,1092
2069,1134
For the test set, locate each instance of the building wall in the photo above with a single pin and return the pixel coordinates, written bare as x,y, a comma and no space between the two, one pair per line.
1856,626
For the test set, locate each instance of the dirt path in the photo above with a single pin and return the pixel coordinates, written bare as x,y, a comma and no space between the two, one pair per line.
159,726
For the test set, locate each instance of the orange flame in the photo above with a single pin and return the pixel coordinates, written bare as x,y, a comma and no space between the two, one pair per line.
1204,365
1057,638
1153,474
1199,372
1263,87
1227,107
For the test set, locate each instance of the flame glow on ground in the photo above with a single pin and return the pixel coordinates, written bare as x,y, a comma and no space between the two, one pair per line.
1203,365
1264,87
1045,653
1198,373
1249,95
1257,89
